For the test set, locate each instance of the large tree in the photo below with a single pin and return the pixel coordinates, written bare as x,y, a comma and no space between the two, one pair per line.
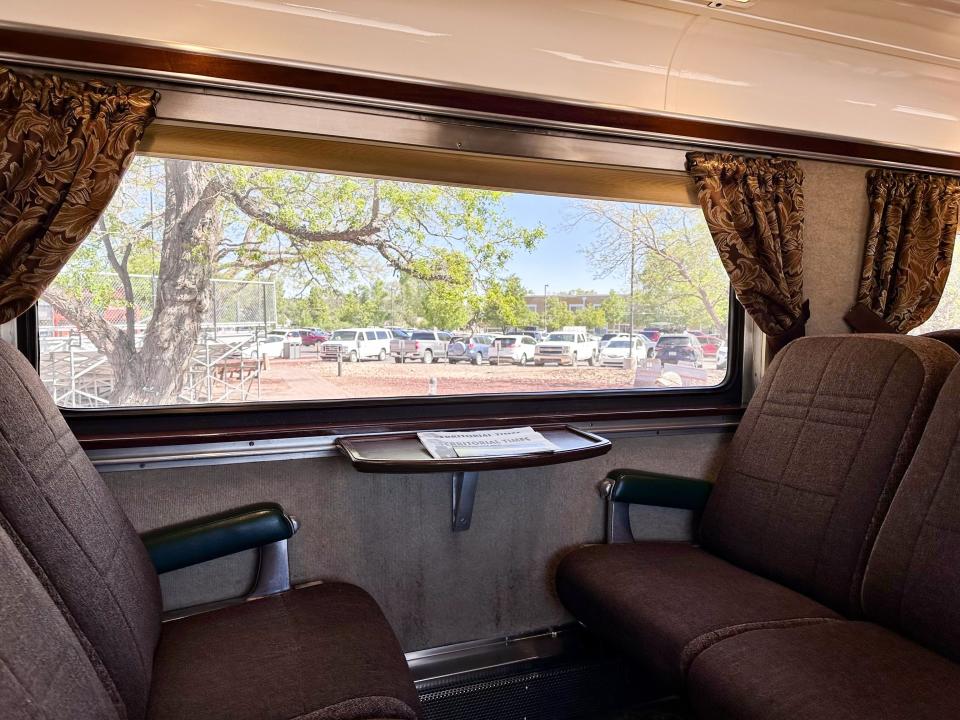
615,310
668,254
505,305
557,315
185,222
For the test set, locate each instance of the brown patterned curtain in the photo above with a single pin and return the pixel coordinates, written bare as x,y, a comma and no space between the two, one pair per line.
64,145
910,238
754,209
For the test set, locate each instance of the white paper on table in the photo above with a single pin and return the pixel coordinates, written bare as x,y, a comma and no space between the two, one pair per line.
444,445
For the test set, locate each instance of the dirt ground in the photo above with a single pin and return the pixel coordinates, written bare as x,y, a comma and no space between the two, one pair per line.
310,378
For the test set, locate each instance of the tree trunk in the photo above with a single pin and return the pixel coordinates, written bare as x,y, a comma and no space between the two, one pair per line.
156,373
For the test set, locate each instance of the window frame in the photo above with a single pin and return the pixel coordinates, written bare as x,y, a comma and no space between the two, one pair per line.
503,147
172,424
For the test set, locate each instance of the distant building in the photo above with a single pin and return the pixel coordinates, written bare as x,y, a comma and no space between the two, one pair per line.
537,303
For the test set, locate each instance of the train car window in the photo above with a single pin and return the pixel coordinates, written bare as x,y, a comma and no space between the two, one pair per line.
209,283
947,314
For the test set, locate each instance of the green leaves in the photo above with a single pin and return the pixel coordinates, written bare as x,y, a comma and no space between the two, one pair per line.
678,277
558,314
504,305
331,242
450,304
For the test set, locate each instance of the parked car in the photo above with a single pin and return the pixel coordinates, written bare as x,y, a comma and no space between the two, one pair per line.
356,344
722,357
710,344
315,337
618,349
605,340
425,345
607,337
566,348
469,348
270,346
652,333
516,349
537,335
294,337
400,332
682,347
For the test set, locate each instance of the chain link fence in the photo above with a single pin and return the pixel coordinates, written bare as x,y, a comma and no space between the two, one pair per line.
225,365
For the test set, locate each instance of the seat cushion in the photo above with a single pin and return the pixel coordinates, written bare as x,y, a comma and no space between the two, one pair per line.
836,670
320,652
665,602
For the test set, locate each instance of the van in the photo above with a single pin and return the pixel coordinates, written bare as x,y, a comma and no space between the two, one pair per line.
355,344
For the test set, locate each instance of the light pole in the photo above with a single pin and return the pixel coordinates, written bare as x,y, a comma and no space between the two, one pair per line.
546,287
633,263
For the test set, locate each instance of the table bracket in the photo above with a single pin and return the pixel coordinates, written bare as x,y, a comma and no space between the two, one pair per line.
463,486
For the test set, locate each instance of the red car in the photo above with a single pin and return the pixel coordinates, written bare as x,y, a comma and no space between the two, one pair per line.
710,344
315,337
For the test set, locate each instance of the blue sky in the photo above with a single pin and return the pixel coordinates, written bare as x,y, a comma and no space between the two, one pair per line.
558,260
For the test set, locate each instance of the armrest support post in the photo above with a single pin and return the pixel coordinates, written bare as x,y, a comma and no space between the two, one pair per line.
618,528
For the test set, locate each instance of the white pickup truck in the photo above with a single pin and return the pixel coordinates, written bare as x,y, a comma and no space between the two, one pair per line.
566,348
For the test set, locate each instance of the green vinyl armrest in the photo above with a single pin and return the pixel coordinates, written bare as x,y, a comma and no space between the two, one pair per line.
213,536
623,488
639,487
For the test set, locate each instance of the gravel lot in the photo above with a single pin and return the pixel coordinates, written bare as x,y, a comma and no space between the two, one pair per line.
313,379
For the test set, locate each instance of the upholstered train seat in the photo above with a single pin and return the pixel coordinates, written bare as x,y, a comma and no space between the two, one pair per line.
950,337
80,630
901,664
788,527
325,651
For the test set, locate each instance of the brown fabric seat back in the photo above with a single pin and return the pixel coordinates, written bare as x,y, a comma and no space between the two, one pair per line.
818,457
950,337
45,670
60,508
912,583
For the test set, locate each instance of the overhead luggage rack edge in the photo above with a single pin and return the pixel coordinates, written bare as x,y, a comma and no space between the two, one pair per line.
35,47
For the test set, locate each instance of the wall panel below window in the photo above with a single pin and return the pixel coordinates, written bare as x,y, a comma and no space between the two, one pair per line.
391,535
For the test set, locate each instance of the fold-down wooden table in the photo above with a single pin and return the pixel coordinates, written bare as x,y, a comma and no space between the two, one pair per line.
402,452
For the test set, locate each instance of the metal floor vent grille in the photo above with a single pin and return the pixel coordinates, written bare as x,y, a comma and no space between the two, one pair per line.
591,690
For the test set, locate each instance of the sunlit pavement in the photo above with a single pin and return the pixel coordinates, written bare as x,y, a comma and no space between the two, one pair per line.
311,378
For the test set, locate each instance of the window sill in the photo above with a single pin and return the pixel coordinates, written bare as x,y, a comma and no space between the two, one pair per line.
188,449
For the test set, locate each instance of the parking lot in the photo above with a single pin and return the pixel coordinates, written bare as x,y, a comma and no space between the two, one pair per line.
314,379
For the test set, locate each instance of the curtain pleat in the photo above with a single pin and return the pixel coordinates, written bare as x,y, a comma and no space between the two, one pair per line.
64,145
909,247
754,209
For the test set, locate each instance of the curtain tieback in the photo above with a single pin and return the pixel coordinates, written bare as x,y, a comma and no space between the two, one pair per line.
775,343
862,319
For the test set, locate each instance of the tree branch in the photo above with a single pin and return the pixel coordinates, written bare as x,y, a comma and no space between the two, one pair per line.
90,322
120,267
369,235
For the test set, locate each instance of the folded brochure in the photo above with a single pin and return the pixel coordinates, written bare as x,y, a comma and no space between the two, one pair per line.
485,443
